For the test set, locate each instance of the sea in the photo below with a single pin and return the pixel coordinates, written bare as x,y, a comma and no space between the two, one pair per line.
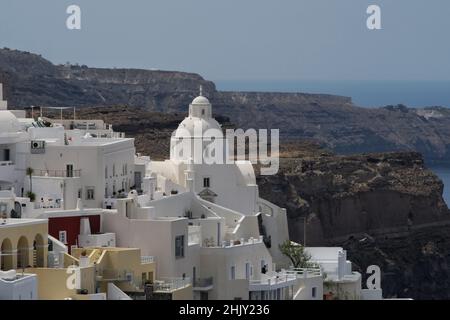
366,93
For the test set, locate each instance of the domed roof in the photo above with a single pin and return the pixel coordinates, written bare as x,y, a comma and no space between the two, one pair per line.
200,100
8,122
190,127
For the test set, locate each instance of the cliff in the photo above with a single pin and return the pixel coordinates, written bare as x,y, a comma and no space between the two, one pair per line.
385,209
332,121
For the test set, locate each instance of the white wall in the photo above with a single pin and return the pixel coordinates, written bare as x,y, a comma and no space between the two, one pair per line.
217,262
24,288
91,159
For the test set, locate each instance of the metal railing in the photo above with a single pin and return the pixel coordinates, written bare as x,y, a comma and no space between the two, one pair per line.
171,284
57,173
147,259
48,204
305,272
275,278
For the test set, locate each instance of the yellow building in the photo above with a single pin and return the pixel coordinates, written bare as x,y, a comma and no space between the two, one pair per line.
23,243
125,267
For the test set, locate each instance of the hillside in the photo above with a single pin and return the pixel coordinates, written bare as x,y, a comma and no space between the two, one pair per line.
332,121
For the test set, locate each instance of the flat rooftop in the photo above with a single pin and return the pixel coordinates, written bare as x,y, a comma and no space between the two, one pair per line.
11,223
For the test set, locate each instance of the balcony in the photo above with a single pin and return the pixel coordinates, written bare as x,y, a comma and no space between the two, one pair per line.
202,284
49,204
273,281
108,275
167,285
147,259
57,173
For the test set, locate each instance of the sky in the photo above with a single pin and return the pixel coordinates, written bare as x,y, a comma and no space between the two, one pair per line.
240,39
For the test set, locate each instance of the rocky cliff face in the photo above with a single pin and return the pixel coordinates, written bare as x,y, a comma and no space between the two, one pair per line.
332,121
385,209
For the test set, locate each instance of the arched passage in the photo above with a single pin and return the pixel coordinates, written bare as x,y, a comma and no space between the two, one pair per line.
23,253
6,255
17,210
38,251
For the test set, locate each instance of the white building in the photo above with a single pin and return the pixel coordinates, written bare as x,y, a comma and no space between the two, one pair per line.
205,221
201,221
17,286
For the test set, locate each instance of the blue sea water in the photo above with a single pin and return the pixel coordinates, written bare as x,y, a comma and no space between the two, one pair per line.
444,174
365,94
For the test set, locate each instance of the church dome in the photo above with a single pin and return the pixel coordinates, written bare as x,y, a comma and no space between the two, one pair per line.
200,100
190,127
199,119
8,122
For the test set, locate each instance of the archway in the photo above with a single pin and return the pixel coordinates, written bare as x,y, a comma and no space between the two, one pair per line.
23,251
6,255
17,211
38,251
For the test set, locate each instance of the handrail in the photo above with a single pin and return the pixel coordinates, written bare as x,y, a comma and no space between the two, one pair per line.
57,173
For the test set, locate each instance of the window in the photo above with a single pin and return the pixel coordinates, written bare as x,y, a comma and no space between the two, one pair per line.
247,270
90,193
233,273
106,172
314,292
179,247
63,236
80,193
69,170
106,191
206,183
203,112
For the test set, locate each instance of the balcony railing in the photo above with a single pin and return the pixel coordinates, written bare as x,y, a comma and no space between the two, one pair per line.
57,173
48,204
274,278
147,259
115,275
171,284
305,272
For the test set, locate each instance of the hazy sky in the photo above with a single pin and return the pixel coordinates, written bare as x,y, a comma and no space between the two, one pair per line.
240,39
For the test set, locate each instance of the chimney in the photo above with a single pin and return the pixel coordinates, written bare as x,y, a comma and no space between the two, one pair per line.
85,226
3,103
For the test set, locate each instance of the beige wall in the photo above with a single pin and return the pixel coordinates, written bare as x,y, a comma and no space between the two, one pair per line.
28,233
183,294
120,261
52,282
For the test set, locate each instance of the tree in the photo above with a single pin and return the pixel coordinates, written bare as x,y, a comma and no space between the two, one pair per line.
30,172
296,253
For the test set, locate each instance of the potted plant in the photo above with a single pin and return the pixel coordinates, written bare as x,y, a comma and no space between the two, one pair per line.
31,195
